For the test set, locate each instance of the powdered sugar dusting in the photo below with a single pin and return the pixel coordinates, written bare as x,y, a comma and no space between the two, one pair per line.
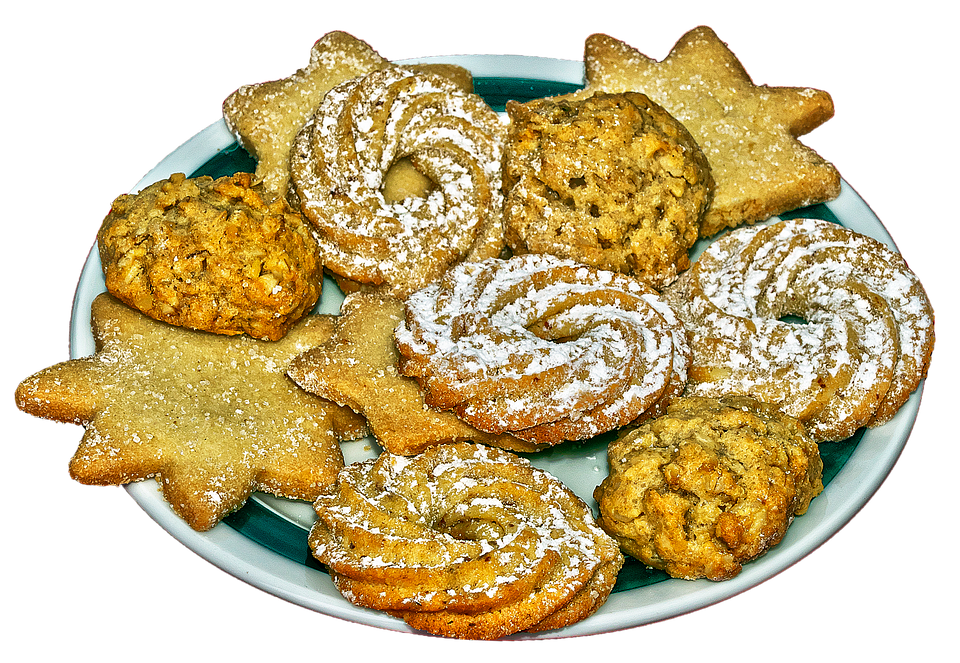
363,127
460,527
827,322
537,340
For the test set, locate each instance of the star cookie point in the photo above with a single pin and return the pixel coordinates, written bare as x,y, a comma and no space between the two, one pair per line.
747,131
212,418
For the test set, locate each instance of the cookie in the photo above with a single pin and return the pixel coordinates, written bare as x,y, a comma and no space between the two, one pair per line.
612,181
830,324
211,255
212,418
749,133
341,157
464,541
266,116
357,368
542,348
708,486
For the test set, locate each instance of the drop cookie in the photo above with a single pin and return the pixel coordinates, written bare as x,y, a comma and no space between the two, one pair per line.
708,486
211,255
612,181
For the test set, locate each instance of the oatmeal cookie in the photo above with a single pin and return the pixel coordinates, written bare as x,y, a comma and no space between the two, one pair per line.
708,486
211,255
612,181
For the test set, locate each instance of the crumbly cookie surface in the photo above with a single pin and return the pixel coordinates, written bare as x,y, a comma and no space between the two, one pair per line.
213,418
211,255
612,181
748,132
708,486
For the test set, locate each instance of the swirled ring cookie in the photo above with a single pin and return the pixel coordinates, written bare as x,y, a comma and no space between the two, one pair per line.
365,126
464,541
830,324
543,348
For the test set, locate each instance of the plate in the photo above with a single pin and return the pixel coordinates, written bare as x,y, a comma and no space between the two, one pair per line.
264,543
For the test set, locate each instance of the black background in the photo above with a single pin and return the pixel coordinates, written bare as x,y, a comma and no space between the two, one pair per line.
101,104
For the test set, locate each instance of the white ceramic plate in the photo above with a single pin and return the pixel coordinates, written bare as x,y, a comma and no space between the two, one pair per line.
265,543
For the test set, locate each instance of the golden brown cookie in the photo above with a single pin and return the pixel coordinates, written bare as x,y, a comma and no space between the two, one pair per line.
357,368
543,348
830,324
748,132
341,157
265,117
709,486
213,418
211,255
612,181
464,541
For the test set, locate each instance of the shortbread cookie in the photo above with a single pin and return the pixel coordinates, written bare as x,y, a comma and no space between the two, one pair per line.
341,157
464,541
709,486
543,348
211,255
829,323
266,116
213,418
612,181
357,368
748,132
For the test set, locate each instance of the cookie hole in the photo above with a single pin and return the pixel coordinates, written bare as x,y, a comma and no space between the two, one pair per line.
792,319
403,181
576,182
472,529
594,211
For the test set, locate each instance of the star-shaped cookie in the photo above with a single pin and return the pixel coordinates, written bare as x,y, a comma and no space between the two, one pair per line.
266,116
747,131
212,417
357,368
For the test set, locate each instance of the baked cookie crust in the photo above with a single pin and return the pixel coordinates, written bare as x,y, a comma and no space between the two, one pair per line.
612,181
211,255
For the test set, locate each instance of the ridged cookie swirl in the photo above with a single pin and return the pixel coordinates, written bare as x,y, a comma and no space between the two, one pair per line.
830,324
361,129
541,347
464,541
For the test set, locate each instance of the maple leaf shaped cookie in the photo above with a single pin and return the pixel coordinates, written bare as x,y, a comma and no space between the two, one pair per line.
747,131
212,417
357,368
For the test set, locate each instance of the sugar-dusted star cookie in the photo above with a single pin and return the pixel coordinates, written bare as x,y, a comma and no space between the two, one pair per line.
265,117
747,131
358,368
212,417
